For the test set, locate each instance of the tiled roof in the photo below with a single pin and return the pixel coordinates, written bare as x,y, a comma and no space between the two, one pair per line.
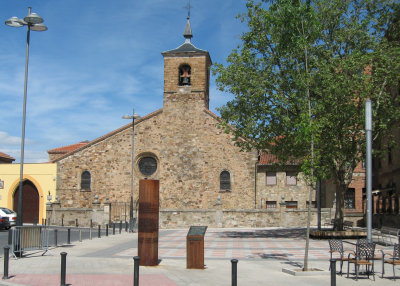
87,144
68,148
6,156
267,159
270,159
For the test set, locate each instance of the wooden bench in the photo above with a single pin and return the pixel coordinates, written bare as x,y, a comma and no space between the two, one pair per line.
329,223
347,224
387,235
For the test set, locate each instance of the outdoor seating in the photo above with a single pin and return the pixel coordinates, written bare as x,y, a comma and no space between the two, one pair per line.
363,256
391,258
336,246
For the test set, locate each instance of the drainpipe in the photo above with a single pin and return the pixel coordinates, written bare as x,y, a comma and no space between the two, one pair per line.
255,184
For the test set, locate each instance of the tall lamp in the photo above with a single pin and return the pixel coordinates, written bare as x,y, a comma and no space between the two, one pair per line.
133,117
34,22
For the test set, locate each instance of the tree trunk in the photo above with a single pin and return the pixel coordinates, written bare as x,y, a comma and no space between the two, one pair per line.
339,214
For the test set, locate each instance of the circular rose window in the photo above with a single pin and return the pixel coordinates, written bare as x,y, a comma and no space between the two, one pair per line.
147,166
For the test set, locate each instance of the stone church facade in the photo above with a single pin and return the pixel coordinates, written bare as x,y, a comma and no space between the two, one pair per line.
204,177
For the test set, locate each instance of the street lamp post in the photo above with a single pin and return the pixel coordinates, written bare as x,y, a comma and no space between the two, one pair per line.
133,117
33,22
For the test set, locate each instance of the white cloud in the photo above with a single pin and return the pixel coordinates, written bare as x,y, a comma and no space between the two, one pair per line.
6,139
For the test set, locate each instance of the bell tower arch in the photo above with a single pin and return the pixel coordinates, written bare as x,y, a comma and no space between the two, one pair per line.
186,73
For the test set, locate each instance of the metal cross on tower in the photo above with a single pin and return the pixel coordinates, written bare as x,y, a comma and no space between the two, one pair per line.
188,6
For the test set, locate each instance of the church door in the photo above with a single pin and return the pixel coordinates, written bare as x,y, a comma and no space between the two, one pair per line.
30,202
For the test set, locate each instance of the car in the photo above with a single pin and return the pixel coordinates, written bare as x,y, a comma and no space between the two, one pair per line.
12,215
4,223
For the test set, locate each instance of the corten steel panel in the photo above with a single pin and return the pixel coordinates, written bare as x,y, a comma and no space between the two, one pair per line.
148,222
195,247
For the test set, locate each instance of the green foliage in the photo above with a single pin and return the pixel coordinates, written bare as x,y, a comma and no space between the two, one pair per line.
329,55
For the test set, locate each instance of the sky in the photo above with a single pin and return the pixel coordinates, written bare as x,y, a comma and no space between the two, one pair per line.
97,61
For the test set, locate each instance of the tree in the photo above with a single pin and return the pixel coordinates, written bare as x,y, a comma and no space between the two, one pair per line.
301,77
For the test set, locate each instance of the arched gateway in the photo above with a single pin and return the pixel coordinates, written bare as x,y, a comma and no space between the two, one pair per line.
30,202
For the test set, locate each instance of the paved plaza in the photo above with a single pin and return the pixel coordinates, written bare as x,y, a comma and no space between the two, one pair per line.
262,254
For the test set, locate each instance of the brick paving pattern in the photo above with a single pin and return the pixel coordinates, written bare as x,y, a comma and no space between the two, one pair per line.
242,244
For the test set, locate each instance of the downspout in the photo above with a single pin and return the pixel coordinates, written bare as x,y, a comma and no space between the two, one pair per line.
255,180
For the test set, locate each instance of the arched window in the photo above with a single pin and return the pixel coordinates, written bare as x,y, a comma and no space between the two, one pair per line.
225,181
184,75
85,180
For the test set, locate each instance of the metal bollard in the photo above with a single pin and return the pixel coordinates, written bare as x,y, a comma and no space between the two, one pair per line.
106,229
136,271
63,268
6,256
234,271
69,236
126,226
99,232
80,235
55,237
333,272
113,228
120,227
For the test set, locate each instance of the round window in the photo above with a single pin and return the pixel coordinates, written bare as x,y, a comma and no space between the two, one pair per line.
147,166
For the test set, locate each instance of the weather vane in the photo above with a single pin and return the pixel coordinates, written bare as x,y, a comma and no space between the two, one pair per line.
188,6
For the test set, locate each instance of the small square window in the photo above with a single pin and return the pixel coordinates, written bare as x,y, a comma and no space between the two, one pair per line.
291,178
270,204
271,178
291,204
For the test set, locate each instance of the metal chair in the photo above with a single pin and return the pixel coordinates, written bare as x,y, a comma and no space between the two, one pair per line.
364,255
394,259
336,246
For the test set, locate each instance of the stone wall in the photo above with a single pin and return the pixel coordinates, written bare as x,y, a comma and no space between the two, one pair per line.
281,191
180,218
57,215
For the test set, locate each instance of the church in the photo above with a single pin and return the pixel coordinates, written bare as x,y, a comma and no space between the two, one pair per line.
204,177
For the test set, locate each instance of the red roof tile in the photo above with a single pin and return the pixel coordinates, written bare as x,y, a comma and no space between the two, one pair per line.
68,148
64,150
267,159
6,156
270,159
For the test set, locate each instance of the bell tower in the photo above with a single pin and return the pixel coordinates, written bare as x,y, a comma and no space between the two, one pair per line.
187,73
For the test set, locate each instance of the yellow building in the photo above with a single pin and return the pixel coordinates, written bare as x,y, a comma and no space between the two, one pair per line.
39,186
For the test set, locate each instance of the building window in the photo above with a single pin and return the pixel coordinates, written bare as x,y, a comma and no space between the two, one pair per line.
291,178
270,205
271,178
350,199
148,166
184,75
225,181
85,180
291,204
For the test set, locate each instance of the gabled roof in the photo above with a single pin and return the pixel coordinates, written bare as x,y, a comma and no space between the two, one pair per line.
88,144
68,148
6,158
